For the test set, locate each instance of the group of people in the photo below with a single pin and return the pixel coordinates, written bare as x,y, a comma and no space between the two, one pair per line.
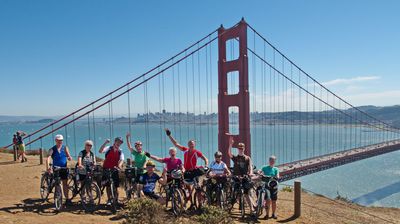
147,178
19,146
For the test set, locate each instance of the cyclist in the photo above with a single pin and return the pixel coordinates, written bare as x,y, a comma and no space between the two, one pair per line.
86,159
190,156
21,146
114,158
218,171
140,156
59,154
243,167
172,163
272,194
148,182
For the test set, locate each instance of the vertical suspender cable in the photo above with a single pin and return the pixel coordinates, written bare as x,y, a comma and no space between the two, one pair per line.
199,83
94,132
211,94
73,124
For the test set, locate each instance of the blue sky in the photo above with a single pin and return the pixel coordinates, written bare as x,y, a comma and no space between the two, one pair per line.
56,56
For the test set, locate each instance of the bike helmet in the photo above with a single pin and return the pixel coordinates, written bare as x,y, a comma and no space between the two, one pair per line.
176,174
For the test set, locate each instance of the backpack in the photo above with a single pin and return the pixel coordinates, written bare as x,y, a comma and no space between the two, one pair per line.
111,148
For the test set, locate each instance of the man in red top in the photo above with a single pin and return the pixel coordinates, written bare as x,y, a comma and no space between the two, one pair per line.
114,158
190,157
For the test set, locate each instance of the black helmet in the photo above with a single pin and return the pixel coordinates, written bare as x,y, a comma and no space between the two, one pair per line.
119,139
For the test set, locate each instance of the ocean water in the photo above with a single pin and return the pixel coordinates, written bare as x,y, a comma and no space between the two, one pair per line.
370,182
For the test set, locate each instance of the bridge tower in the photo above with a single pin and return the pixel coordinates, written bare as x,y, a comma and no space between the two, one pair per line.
240,99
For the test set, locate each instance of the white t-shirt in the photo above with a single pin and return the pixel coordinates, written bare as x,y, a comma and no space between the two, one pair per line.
218,168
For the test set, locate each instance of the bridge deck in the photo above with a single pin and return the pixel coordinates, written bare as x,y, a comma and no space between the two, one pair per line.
308,166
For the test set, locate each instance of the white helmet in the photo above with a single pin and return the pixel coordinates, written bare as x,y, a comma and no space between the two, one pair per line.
59,137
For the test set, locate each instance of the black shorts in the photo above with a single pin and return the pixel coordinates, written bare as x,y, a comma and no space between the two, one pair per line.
191,174
271,194
63,174
247,184
82,177
114,176
152,195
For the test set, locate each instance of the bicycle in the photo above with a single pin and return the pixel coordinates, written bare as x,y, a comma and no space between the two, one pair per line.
50,181
200,196
87,187
215,189
268,182
237,192
109,181
131,174
173,192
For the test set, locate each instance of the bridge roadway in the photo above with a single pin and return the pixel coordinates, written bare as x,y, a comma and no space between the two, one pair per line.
304,167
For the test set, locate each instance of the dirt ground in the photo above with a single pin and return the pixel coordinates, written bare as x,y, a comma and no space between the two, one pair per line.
20,203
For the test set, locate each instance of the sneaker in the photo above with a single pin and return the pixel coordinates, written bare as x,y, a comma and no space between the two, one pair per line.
68,202
266,217
274,216
108,203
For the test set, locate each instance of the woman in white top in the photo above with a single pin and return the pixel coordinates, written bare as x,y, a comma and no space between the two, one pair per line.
218,168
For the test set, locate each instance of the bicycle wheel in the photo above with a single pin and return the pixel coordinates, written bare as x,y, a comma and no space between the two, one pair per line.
177,202
200,198
260,202
113,197
45,186
221,199
128,189
230,197
90,196
242,204
58,197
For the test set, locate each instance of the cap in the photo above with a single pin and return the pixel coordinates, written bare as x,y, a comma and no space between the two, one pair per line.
59,137
119,139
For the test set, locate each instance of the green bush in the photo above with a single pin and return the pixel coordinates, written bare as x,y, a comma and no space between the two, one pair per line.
144,210
213,215
287,189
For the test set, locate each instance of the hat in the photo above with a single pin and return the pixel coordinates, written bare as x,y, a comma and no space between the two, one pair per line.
89,142
59,137
150,163
119,139
218,154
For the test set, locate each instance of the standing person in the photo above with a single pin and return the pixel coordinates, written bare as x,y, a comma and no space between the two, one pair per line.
148,182
243,167
190,156
21,146
86,159
114,158
172,163
15,148
272,194
218,171
138,153
59,154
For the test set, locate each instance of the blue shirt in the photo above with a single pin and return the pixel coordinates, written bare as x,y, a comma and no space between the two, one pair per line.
149,182
59,158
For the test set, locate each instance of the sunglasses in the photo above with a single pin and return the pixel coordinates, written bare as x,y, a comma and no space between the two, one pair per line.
90,145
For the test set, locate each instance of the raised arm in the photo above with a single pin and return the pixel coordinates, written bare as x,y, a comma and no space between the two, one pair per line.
176,144
101,150
128,142
231,141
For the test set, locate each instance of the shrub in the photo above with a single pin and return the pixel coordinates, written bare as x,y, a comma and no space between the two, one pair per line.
287,189
213,215
144,210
